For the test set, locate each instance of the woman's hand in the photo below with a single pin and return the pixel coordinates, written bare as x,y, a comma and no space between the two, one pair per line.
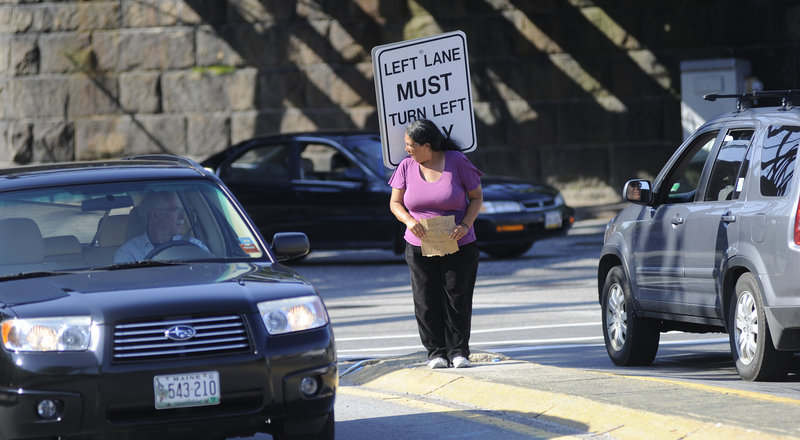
416,228
458,231
399,211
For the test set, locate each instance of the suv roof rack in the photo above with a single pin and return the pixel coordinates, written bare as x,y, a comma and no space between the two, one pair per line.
746,100
168,158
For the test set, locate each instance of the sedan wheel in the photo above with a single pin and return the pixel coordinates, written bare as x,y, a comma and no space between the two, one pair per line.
751,344
630,340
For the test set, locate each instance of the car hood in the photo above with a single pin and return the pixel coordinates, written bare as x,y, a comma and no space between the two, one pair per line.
116,294
505,188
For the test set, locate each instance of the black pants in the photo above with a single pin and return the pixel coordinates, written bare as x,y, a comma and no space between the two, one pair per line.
442,288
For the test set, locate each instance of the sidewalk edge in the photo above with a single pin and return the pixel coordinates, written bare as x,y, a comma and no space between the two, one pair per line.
576,412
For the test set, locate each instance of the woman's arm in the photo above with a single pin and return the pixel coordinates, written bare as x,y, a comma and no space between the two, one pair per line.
399,210
475,200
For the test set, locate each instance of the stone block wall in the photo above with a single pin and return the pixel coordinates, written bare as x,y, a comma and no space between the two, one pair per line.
582,94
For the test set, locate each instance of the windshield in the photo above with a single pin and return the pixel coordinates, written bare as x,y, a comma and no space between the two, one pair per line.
368,150
99,225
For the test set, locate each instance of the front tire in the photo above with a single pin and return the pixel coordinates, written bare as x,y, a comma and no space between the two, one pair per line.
751,343
630,340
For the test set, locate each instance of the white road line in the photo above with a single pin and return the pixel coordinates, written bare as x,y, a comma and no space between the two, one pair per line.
561,346
475,332
479,344
546,344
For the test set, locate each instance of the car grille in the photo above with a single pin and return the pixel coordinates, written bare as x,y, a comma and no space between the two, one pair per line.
147,340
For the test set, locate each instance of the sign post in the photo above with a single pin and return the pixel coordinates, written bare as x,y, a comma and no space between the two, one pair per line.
424,78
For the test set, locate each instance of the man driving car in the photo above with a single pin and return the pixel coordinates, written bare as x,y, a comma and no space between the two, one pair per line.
165,221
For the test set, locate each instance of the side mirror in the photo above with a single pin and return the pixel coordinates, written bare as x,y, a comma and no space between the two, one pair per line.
638,191
290,245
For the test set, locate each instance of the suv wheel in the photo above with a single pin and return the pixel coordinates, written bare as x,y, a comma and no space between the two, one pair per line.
751,344
630,340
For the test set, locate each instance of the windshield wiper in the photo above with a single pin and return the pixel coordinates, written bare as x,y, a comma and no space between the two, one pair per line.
143,263
25,275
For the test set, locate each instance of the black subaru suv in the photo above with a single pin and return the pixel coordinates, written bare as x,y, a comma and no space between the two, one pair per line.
713,243
111,330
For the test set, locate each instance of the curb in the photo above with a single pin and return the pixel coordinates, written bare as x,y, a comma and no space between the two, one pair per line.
622,407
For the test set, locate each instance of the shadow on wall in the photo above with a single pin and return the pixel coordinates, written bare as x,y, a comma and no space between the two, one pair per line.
557,87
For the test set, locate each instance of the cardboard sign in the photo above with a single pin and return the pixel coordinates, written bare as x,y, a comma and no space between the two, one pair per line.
425,78
437,240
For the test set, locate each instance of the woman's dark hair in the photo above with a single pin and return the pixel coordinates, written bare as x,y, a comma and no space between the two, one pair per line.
424,131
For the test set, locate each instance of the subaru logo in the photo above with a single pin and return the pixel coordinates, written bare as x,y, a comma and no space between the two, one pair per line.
180,332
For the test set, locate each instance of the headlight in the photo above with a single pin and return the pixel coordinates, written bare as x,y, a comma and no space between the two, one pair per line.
559,200
498,206
48,334
293,314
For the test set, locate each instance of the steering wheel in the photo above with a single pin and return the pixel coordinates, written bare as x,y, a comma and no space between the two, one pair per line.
170,244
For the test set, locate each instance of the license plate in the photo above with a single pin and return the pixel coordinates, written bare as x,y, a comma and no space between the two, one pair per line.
186,389
552,220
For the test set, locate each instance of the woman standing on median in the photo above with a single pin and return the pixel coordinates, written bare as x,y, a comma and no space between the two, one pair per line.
435,180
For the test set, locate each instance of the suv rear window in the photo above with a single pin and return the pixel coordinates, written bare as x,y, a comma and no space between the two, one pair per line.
777,160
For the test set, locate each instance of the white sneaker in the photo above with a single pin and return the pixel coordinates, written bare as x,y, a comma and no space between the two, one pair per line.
437,363
461,362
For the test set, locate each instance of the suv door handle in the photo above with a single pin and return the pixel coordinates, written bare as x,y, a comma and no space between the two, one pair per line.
677,220
728,218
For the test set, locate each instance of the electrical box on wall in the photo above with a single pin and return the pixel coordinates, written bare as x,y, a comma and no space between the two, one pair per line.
699,77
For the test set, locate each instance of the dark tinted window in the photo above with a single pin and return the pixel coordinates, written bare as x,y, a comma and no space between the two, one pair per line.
368,150
725,179
325,162
265,162
777,159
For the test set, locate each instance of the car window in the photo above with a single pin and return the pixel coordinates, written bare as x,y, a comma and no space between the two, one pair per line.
777,160
743,173
368,150
82,226
326,162
682,182
264,162
725,177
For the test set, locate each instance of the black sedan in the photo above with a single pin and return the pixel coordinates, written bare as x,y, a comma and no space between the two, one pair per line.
202,335
333,187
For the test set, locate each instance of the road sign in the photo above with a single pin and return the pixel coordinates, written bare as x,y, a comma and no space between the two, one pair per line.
425,78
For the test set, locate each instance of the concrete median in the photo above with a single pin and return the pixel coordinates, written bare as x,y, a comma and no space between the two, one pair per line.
623,407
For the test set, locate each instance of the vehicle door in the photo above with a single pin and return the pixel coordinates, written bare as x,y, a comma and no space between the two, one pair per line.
771,206
259,176
658,238
337,201
711,225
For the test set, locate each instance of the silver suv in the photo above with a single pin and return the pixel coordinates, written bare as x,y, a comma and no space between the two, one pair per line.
713,244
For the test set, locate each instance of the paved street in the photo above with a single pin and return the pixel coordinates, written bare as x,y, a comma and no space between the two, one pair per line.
541,309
